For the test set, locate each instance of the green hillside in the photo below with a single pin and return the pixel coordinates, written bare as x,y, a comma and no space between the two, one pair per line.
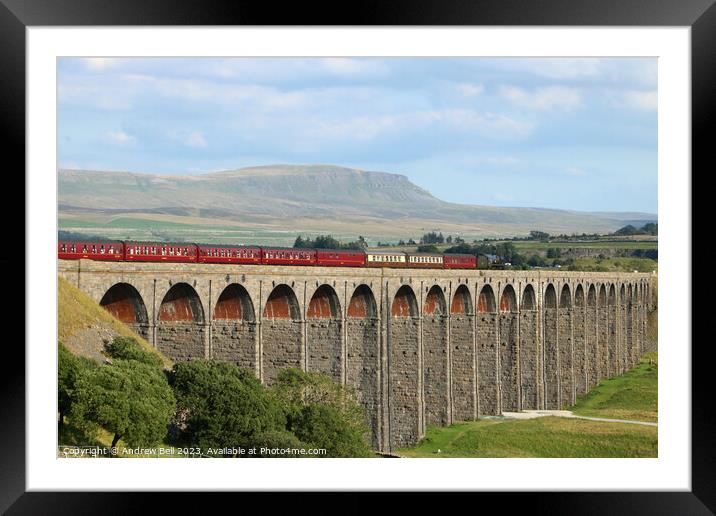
83,326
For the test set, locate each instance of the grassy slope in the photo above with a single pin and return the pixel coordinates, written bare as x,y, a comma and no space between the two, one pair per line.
542,437
77,313
632,395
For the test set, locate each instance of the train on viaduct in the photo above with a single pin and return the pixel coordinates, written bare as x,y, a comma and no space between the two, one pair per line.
421,347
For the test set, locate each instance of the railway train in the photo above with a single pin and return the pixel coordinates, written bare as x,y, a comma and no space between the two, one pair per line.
213,253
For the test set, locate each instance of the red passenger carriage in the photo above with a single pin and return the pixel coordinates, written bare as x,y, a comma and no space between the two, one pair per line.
340,258
208,253
460,261
159,252
93,250
287,256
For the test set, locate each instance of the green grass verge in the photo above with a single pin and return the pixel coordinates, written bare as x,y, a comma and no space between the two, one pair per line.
632,395
541,437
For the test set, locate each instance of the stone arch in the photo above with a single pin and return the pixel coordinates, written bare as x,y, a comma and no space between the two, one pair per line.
581,358
233,327
488,373
462,356
405,304
630,329
461,301
565,297
529,301
565,344
435,357
181,330
363,357
324,330
592,337
281,333
530,351
551,350
486,300
125,303
509,350
362,303
404,369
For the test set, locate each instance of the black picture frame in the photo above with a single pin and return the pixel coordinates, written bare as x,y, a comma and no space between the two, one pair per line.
17,15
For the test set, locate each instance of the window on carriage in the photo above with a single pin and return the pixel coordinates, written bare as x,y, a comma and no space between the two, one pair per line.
84,248
72,248
62,248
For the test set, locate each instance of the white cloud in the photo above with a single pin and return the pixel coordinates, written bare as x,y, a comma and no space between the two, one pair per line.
575,172
348,66
467,89
645,100
195,139
99,63
543,99
120,138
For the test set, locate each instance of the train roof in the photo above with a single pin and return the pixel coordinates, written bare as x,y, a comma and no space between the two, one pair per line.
89,241
142,242
385,252
230,246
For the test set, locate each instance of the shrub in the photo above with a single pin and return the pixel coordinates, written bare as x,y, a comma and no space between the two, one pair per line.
224,405
126,348
326,427
302,394
275,439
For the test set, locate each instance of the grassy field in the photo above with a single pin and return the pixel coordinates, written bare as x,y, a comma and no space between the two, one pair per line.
632,395
541,437
596,244
614,265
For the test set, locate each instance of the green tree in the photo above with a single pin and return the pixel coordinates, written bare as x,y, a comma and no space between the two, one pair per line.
225,405
69,368
128,398
127,348
297,391
325,426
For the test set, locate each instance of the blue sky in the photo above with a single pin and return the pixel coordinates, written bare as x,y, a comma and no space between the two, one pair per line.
544,132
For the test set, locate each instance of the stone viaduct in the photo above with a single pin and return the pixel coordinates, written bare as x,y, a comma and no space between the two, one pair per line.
421,347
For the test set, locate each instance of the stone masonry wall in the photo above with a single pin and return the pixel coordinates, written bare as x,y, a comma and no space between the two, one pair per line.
362,366
566,357
487,374
281,347
508,361
463,368
551,360
530,360
612,325
234,341
592,346
435,369
181,340
404,393
581,358
323,347
603,329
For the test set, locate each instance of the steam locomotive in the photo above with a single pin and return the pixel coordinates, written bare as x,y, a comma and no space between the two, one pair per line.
125,251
